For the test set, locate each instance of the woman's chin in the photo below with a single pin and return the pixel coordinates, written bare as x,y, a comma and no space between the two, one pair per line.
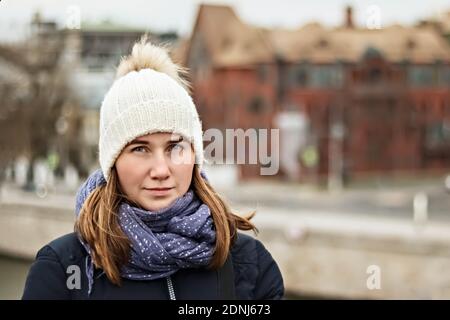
157,203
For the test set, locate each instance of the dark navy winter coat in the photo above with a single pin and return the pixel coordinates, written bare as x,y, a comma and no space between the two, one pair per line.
255,274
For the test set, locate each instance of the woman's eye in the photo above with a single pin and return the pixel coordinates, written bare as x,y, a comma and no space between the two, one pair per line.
138,149
176,146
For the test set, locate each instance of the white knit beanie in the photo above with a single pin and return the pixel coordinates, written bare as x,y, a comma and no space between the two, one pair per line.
148,96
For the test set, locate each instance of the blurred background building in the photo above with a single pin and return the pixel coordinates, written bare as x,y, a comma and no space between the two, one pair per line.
86,58
373,101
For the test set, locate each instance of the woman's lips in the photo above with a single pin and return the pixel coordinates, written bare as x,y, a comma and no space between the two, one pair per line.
158,191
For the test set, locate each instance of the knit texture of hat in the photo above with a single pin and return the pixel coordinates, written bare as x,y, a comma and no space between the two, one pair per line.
144,101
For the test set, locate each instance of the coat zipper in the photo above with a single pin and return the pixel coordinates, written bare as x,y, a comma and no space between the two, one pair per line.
170,288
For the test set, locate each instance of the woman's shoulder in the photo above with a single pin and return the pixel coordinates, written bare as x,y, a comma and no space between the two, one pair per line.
246,248
48,274
257,275
66,249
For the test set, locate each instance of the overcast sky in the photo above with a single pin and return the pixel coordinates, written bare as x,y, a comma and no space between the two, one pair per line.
178,15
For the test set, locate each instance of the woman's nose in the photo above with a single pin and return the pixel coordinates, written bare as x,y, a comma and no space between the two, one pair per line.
160,168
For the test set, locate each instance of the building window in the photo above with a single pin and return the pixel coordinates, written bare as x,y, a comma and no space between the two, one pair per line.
421,76
438,135
257,105
325,76
374,75
319,76
444,76
298,76
302,77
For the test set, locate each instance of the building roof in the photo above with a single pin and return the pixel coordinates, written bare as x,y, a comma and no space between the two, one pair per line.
395,43
230,42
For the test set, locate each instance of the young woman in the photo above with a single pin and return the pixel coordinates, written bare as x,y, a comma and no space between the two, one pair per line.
149,224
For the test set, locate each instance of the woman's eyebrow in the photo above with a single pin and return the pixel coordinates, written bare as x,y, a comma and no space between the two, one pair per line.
176,140
137,141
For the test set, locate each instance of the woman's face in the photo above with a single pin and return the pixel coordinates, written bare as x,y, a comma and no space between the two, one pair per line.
155,169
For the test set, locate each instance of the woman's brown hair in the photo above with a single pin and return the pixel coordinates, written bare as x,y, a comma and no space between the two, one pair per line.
98,224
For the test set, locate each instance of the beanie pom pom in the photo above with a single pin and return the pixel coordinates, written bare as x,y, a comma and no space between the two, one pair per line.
145,55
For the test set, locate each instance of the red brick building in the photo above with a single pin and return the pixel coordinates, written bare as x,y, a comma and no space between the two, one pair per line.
374,101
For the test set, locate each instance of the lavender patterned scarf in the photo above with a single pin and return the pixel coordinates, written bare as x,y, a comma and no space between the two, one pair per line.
162,242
